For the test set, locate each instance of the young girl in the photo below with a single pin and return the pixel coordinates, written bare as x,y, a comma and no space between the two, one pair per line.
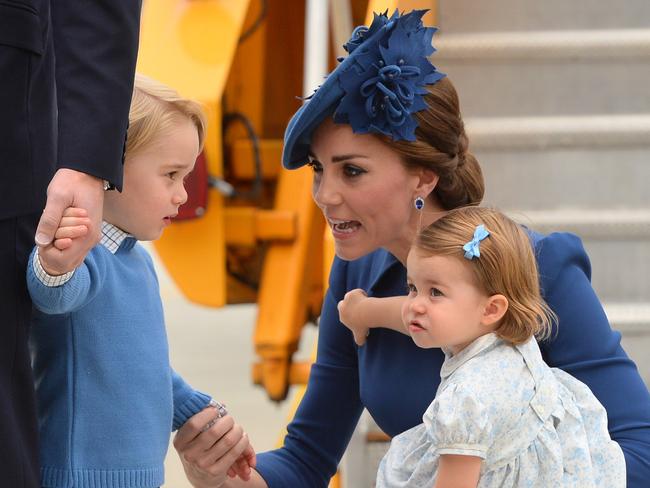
501,416
107,396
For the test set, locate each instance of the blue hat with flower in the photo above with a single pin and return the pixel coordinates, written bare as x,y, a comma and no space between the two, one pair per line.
376,88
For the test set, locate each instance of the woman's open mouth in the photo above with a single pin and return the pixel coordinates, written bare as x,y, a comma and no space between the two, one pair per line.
343,228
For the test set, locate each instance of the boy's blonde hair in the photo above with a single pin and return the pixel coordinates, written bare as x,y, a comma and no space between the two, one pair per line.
154,108
506,266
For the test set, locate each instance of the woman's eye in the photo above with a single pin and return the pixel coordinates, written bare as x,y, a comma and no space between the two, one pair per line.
315,166
352,171
171,174
435,292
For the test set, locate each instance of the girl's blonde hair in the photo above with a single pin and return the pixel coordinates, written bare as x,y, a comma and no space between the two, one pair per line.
154,108
506,266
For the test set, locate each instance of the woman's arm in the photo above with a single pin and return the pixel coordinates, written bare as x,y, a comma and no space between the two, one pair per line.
456,471
586,347
328,413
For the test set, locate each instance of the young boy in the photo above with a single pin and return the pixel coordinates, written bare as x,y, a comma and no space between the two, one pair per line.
107,396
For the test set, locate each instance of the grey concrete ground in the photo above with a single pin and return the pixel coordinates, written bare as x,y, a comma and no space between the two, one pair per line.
213,350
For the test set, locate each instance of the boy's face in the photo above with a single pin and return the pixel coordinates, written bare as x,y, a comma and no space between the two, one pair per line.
444,307
154,183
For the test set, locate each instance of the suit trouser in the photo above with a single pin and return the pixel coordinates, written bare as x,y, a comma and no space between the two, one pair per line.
18,431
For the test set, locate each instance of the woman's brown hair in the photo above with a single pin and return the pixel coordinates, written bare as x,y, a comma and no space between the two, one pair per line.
441,145
506,266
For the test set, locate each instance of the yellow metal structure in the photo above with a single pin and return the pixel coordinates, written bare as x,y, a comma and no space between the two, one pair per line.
190,45
273,240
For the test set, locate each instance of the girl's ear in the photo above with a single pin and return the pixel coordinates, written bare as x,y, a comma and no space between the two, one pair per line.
495,308
427,182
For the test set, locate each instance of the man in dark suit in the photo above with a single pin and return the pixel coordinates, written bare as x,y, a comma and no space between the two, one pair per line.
66,77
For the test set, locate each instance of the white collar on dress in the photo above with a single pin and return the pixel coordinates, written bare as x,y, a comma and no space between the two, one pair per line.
455,361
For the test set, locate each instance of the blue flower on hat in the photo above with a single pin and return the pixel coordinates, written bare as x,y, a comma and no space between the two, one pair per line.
385,85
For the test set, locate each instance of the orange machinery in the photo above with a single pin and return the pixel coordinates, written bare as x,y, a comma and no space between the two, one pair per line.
250,232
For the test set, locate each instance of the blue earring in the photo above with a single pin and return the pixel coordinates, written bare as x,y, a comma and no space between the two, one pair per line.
419,203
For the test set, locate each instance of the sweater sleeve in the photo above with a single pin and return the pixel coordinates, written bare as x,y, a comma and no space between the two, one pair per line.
75,293
328,413
586,347
187,401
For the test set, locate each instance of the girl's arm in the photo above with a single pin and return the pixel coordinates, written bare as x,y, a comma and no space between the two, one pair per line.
456,471
360,313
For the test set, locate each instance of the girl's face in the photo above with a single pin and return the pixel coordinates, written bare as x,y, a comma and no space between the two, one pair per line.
364,191
444,307
154,183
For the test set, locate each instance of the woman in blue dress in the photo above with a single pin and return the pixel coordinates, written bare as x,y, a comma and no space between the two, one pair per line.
383,135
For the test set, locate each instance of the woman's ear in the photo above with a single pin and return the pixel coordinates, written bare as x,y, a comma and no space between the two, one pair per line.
427,182
495,308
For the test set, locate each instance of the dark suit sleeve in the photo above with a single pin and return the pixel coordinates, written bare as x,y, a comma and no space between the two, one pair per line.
586,347
96,45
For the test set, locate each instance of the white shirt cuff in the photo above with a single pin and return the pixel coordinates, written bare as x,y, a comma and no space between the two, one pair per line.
48,279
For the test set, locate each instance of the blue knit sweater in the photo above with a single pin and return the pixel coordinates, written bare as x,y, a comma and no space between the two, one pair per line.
107,396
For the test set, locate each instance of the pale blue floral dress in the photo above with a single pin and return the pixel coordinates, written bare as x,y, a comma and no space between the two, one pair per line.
534,426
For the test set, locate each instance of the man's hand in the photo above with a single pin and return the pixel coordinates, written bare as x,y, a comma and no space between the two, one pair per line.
70,188
210,455
352,316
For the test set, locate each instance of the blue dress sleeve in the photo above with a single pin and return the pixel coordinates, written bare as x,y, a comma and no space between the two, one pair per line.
586,347
328,413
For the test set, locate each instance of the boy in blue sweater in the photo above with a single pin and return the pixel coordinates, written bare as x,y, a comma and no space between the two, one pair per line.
107,396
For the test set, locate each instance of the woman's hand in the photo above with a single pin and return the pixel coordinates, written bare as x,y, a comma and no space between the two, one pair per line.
210,455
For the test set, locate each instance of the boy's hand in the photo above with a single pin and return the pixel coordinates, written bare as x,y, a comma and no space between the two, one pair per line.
244,464
70,188
73,225
352,316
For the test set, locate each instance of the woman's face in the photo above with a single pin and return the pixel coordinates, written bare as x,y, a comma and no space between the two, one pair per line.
364,191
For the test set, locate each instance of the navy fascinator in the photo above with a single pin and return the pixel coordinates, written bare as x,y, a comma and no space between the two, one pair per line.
376,88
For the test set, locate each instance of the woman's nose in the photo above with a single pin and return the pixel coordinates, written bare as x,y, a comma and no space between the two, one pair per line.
326,192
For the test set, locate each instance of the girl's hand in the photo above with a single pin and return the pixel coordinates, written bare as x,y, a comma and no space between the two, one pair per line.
352,316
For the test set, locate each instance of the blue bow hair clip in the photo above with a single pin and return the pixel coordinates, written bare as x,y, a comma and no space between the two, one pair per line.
472,249
385,85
